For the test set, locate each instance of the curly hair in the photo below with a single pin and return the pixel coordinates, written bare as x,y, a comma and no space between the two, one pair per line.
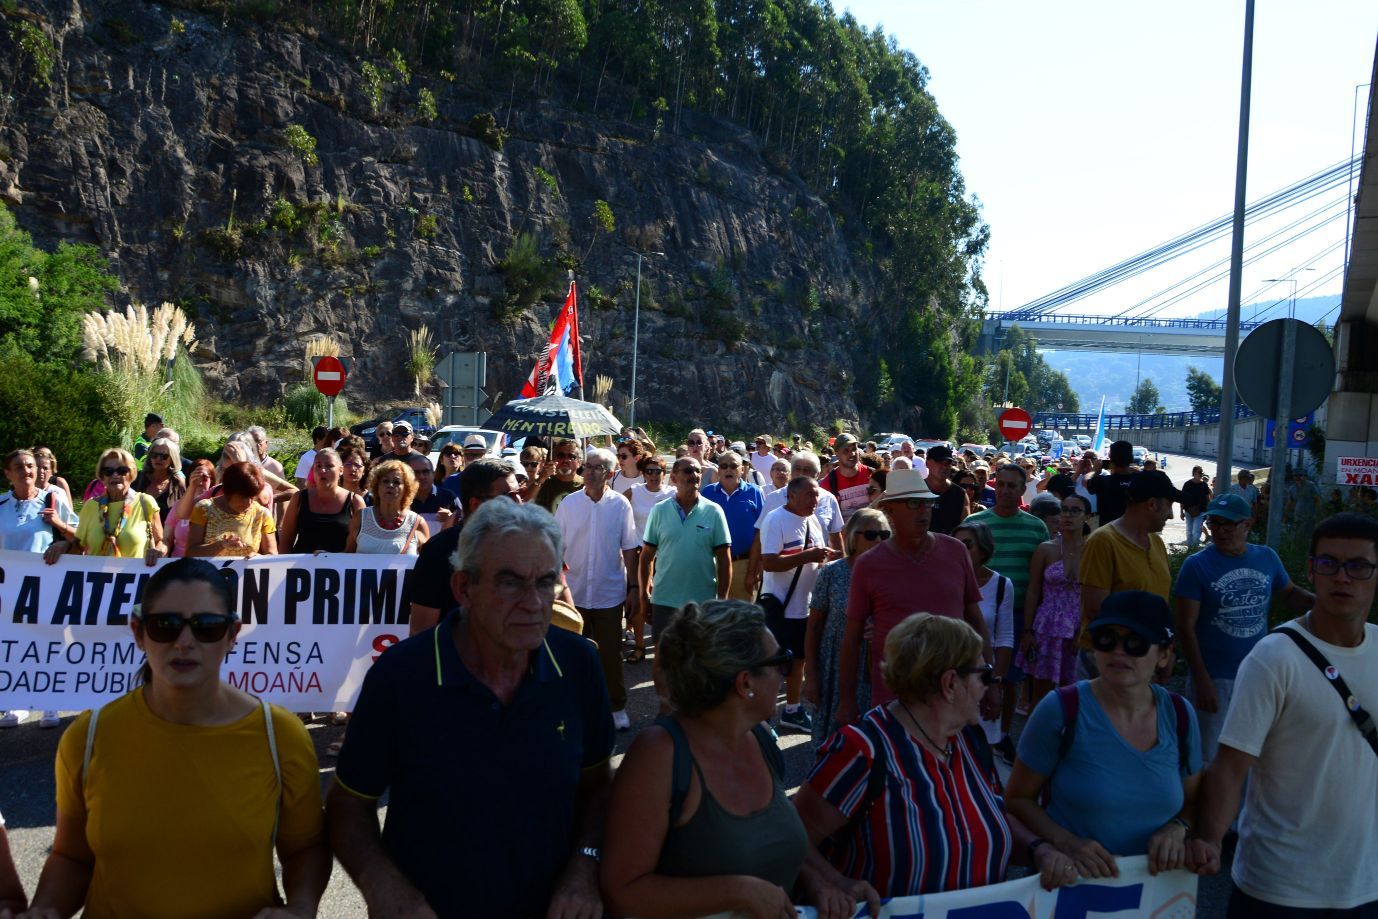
409,486
703,649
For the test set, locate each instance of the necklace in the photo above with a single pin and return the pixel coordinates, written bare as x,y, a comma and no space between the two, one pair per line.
947,750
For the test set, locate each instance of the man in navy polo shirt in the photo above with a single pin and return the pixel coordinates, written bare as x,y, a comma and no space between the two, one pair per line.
742,503
491,733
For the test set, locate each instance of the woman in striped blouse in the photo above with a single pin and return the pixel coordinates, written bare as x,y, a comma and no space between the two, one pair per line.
908,799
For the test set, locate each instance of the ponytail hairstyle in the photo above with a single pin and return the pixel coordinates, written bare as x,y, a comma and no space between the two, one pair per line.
181,571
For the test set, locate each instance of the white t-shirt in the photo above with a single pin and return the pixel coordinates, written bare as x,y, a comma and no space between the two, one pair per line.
643,499
763,464
1308,834
304,465
620,482
1000,627
828,511
784,532
595,536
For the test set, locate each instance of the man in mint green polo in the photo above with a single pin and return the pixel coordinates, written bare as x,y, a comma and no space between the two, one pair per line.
688,543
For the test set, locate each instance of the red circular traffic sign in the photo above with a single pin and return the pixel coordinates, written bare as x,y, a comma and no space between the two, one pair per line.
329,375
1015,424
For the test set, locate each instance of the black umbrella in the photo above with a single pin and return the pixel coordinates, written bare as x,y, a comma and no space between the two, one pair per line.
553,416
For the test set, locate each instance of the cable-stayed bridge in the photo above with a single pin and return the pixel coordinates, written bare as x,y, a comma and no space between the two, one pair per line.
1059,321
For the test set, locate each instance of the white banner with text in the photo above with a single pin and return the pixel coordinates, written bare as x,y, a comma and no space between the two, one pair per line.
312,625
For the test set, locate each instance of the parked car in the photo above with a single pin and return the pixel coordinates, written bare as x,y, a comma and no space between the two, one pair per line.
456,434
890,442
982,451
1083,441
1140,454
1047,436
412,415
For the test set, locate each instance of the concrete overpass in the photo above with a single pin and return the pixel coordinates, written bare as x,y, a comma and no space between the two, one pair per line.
1353,407
1112,333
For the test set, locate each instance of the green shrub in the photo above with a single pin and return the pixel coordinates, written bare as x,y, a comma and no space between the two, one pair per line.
284,216
306,408
426,226
399,65
56,406
425,105
373,86
485,127
603,217
301,143
177,26
35,45
526,275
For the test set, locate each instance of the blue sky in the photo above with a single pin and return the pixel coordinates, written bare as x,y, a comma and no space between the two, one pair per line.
1091,131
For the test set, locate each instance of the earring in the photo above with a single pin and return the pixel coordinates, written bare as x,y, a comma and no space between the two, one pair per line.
751,694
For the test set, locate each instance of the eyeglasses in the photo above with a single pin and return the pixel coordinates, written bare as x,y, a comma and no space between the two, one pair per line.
784,661
1360,569
986,671
1072,511
354,465
401,435
107,471
918,504
695,443
532,464
874,535
652,470
391,483
566,456
872,489
1134,644
154,456
165,628
623,457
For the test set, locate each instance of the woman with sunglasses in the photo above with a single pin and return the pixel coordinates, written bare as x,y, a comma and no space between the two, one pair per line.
865,529
161,476
628,474
229,778
451,462
119,522
1052,602
532,461
914,778
698,821
200,480
1120,756
354,470
233,523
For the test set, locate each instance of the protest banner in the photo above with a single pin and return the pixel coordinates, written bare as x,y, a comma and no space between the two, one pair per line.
312,625
1356,470
1134,894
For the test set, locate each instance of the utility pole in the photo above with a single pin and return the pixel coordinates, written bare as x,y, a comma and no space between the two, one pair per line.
1224,461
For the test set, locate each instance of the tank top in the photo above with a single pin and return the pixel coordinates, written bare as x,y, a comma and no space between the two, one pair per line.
770,844
374,540
322,532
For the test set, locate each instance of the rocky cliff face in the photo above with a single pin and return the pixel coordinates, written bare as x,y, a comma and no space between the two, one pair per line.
166,138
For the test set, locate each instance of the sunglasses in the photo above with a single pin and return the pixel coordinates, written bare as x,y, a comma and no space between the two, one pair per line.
784,661
107,471
652,470
874,535
205,627
566,456
917,504
532,464
154,456
986,670
1106,640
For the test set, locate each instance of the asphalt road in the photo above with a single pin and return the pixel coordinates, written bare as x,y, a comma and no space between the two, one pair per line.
27,754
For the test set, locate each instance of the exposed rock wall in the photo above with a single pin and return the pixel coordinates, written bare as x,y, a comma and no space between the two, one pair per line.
164,144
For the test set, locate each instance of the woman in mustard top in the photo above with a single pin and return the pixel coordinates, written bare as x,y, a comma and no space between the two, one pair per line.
121,522
172,805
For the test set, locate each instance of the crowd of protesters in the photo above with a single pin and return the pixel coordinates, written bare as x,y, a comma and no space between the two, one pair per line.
900,608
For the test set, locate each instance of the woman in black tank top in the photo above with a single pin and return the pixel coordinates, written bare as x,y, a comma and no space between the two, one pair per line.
317,519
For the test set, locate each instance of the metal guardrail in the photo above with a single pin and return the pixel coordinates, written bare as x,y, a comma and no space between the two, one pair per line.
1216,325
1087,420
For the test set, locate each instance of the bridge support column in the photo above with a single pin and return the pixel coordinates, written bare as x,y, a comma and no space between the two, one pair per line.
1352,412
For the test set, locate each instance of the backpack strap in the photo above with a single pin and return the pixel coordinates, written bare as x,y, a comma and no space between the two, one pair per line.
90,743
681,766
1179,709
999,594
277,764
1069,700
832,482
1361,718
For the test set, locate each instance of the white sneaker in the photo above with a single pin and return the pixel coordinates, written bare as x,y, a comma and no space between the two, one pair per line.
49,720
11,719
621,721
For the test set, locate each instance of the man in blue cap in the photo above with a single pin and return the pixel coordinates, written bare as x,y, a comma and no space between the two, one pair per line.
1223,596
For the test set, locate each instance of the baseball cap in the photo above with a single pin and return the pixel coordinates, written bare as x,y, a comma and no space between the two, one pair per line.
1230,507
846,440
1143,613
1152,483
906,483
475,441
401,426
152,418
939,452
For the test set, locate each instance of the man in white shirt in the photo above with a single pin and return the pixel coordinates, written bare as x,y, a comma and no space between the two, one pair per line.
1308,835
827,510
761,458
601,555
320,439
793,547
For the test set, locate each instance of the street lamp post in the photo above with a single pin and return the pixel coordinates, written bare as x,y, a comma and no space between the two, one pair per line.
636,333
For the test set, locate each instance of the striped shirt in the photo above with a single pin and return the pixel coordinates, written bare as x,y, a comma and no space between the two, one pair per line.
1016,538
935,827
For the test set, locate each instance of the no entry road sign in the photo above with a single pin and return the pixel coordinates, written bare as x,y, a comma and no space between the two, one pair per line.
1015,424
329,375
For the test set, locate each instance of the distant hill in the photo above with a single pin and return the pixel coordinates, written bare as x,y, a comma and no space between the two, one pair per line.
1115,374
